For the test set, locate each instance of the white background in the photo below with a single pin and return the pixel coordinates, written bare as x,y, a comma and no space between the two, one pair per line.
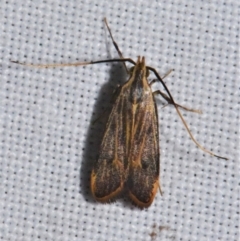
48,144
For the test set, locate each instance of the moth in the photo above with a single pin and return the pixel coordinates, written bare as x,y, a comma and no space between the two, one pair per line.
129,152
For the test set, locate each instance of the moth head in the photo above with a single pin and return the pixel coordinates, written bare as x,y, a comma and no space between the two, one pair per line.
140,66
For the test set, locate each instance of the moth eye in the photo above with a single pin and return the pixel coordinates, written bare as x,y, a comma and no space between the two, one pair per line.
147,72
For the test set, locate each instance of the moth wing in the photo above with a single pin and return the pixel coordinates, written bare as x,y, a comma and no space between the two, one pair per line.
143,178
108,174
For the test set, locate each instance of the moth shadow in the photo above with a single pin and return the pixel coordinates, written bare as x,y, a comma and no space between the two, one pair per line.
97,125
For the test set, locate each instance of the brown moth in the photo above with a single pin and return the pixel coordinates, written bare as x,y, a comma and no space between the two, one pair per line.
129,152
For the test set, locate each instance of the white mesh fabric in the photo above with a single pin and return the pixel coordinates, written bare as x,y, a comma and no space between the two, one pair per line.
47,141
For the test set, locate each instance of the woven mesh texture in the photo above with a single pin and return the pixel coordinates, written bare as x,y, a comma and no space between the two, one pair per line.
48,144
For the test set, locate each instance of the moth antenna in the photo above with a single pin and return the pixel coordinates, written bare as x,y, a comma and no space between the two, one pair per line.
192,137
75,64
180,115
53,65
115,44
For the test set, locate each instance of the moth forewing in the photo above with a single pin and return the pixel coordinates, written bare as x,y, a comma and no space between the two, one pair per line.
108,174
143,177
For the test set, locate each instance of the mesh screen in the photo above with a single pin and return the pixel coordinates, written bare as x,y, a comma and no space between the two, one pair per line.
49,144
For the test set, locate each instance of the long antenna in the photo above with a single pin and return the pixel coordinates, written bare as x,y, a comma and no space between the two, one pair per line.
180,115
115,44
76,64
122,59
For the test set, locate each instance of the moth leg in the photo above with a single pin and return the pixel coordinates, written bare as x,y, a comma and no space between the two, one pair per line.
164,76
169,99
160,189
180,115
115,44
170,102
